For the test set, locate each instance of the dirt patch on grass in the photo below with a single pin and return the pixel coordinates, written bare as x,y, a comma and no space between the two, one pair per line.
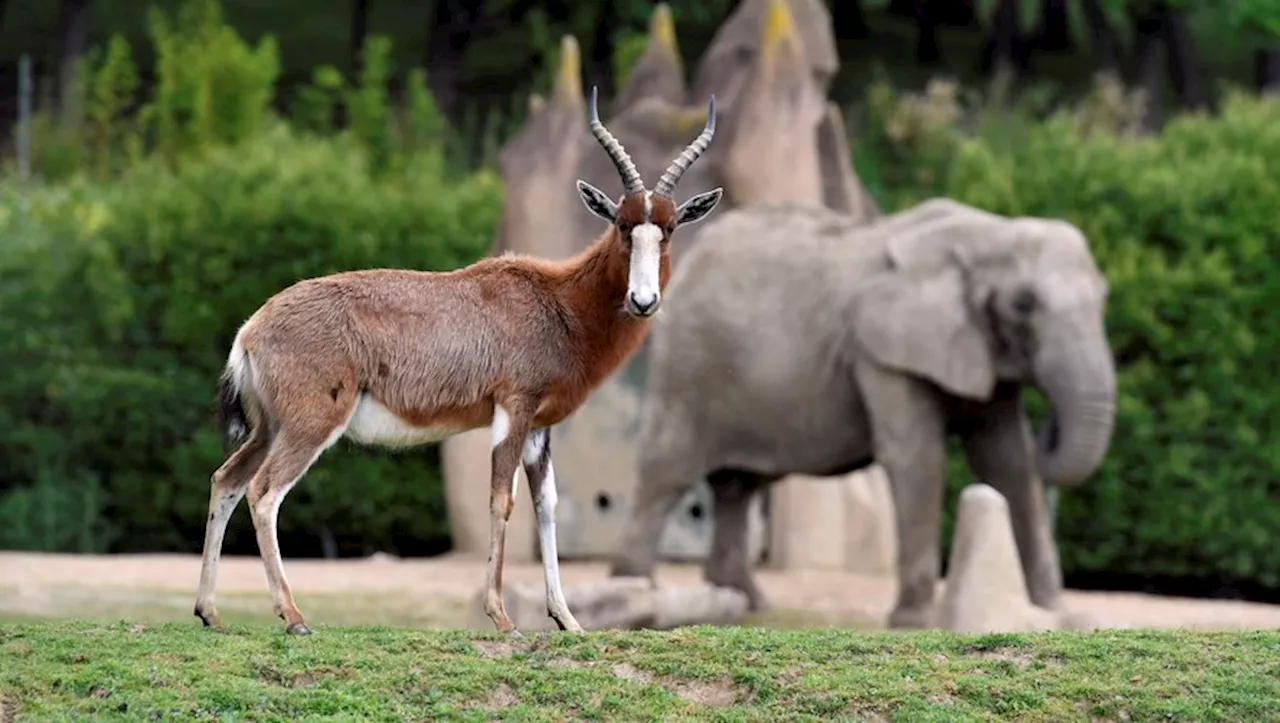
8,708
304,679
499,648
712,693
791,675
18,648
501,698
1020,659
870,715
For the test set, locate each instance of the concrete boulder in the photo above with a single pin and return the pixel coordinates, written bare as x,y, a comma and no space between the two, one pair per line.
986,591
843,523
870,524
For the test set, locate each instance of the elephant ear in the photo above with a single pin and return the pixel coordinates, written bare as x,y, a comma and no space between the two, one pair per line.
918,321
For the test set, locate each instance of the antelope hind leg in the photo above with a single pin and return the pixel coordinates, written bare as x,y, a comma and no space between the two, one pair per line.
227,488
509,430
287,461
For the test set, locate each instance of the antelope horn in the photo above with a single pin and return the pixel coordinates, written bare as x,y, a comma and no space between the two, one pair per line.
631,182
667,184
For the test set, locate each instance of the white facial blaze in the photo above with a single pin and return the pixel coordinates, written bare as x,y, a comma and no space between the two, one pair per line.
646,252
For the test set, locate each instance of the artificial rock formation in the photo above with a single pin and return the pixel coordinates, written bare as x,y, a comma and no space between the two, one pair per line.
985,589
844,523
617,603
870,528
777,139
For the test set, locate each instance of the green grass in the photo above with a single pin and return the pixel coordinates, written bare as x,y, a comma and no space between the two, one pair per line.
128,671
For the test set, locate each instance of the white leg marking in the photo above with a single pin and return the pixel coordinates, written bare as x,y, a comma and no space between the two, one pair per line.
544,505
646,252
501,425
500,428
533,445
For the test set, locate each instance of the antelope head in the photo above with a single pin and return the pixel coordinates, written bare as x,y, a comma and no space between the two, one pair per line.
644,220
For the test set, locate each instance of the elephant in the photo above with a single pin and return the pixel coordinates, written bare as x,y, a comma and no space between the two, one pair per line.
796,340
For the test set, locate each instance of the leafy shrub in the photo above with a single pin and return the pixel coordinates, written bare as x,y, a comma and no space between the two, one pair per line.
121,300
1184,227
211,86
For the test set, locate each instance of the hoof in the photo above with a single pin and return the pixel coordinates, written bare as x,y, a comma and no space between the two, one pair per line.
210,620
516,635
298,629
568,624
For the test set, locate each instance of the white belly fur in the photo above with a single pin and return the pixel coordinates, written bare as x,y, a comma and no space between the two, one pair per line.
373,424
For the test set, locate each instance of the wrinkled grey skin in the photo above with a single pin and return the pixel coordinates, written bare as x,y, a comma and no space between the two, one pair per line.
796,341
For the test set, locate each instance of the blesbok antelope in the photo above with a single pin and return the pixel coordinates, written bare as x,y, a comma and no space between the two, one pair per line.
397,357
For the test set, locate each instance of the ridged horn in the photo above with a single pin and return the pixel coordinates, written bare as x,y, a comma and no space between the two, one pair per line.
667,184
631,182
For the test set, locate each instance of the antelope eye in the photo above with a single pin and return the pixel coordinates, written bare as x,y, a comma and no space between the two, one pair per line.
624,227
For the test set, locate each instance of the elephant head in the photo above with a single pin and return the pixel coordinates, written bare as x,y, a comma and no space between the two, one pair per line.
971,299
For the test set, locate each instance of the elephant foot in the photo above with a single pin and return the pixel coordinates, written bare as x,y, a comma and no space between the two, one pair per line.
756,600
915,617
1052,604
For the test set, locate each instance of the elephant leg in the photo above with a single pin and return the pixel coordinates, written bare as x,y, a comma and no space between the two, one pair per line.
909,429
669,466
1000,450
728,565
1051,508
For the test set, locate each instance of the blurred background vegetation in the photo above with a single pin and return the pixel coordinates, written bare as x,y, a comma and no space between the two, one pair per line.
178,144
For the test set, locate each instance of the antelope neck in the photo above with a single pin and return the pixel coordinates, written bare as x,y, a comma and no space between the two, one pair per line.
594,288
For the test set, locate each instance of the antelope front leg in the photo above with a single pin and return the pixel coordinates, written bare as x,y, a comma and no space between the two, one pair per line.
510,427
542,487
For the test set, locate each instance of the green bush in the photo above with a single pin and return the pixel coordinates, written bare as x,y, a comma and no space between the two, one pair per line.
1185,227
121,300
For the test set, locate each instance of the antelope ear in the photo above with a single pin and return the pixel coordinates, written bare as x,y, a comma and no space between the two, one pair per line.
697,208
598,203
920,324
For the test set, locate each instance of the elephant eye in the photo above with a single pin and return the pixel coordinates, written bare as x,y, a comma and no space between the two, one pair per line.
1024,301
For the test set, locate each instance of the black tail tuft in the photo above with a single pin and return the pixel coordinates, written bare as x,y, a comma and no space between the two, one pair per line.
229,413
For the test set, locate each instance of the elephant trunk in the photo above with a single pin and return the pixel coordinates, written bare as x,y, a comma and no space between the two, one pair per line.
1076,371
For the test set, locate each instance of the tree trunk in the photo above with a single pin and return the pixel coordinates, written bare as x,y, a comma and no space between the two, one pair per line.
359,29
897,8
73,26
447,40
848,20
1105,44
1148,75
1004,55
1266,69
1185,68
1054,33
927,50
